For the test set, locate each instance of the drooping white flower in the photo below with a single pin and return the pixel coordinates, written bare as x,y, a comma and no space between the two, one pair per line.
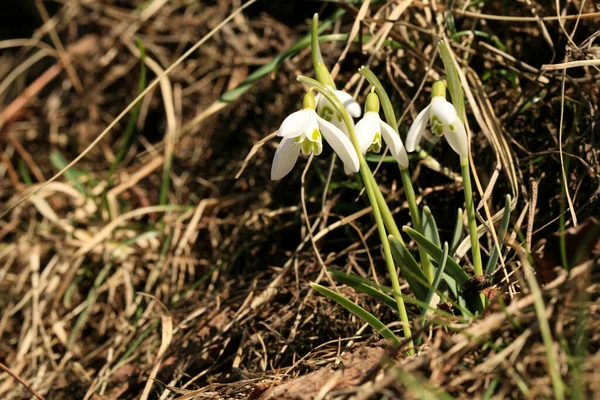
444,121
326,110
370,129
302,131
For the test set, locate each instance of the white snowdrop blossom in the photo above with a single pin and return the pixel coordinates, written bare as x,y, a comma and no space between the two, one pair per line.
302,131
326,110
444,121
370,129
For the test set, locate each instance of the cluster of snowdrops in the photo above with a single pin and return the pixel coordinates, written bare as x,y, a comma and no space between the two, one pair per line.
328,113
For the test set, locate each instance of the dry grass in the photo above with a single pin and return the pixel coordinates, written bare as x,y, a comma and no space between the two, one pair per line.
115,288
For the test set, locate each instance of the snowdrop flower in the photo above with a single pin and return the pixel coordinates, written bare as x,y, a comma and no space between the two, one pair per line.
370,129
326,110
301,132
444,122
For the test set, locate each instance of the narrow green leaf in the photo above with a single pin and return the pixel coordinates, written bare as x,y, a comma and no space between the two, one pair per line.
453,269
430,230
454,85
458,231
362,285
348,279
409,268
129,134
358,283
357,310
71,174
269,67
437,279
493,260
24,171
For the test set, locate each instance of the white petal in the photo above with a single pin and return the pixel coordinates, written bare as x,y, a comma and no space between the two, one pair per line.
416,130
443,109
341,125
285,158
349,103
295,124
457,139
366,129
341,145
392,139
311,125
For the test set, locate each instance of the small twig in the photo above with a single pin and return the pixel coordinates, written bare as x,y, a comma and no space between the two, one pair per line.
62,54
21,381
531,217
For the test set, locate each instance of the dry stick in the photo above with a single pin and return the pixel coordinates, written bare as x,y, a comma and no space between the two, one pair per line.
570,37
560,148
167,95
503,18
364,8
82,46
62,54
531,217
26,157
21,381
151,86
307,220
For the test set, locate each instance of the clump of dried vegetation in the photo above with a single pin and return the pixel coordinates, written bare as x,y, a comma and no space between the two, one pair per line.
166,264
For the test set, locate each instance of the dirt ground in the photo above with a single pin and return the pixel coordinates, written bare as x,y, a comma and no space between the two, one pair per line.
166,264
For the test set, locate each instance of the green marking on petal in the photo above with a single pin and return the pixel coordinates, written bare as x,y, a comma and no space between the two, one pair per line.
299,139
327,113
315,135
375,146
315,148
306,147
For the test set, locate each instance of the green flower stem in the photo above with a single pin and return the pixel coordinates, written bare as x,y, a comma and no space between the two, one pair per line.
321,72
416,219
439,89
388,218
390,117
371,190
387,251
466,175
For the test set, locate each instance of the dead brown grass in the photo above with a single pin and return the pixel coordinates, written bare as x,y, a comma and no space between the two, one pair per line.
107,294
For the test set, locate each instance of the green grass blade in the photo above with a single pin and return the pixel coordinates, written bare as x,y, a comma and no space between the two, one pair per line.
366,289
272,65
430,230
458,231
59,162
540,310
24,172
358,283
494,255
453,269
409,268
357,310
437,279
349,279
128,135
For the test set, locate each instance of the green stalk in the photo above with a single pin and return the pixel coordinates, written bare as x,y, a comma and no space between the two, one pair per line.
390,117
388,218
368,181
416,219
466,175
321,72
458,100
